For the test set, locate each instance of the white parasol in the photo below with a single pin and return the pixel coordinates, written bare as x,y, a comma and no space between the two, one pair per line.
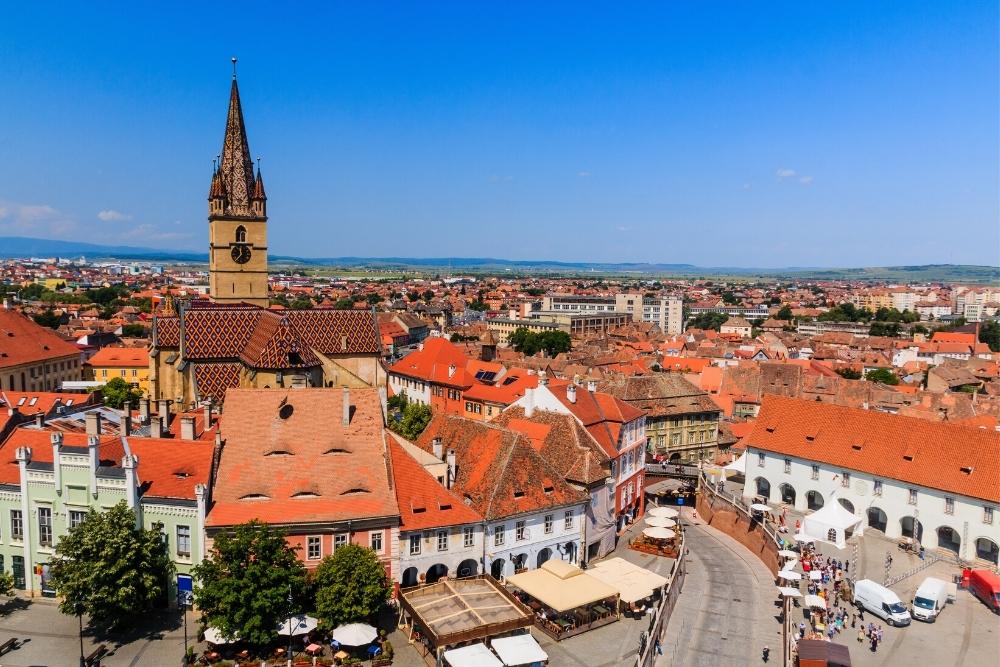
814,601
658,533
214,636
761,507
666,512
355,634
789,592
660,522
301,625
789,575
788,553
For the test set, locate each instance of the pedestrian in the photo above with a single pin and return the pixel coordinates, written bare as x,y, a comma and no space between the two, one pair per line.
861,635
861,614
872,643
802,630
658,648
847,566
766,653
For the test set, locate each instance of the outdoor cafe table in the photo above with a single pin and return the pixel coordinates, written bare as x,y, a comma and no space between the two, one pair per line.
601,609
313,649
562,623
340,655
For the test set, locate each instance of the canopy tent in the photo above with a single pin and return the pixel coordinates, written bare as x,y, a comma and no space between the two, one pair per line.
473,655
666,512
355,634
562,586
659,533
815,575
789,592
660,522
738,466
632,582
761,507
791,564
789,576
519,650
301,625
214,636
830,524
814,601
788,553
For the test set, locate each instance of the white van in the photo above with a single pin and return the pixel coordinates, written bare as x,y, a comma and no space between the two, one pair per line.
880,601
929,599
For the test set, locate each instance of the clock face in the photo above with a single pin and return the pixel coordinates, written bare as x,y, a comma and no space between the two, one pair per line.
241,253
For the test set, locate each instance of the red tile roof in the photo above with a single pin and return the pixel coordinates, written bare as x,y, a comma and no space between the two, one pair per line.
423,502
121,356
288,458
937,455
24,342
172,468
601,414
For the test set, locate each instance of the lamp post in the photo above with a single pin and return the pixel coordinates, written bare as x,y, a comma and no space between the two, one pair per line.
290,600
183,599
79,615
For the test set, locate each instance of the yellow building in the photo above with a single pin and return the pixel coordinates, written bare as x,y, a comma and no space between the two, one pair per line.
129,363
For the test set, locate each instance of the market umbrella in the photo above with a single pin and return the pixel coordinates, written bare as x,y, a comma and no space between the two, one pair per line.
301,625
790,564
814,601
788,553
789,592
660,522
667,512
790,576
761,507
214,636
815,575
658,533
355,634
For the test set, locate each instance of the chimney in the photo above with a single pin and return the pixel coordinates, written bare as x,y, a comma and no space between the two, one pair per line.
383,398
542,378
451,369
571,393
591,386
92,442
207,409
57,440
40,420
155,427
529,402
187,428
129,464
93,424
200,492
450,481
8,304
346,419
437,448
218,438
163,407
126,423
143,411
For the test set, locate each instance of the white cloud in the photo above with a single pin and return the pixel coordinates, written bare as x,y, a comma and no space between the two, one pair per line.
782,174
18,219
623,228
146,233
583,174
806,180
791,174
746,186
111,215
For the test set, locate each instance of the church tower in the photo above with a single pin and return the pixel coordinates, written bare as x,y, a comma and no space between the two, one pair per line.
237,218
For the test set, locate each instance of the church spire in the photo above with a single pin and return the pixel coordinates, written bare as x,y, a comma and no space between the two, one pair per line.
236,167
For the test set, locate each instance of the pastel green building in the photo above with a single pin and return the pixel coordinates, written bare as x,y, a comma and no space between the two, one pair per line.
54,477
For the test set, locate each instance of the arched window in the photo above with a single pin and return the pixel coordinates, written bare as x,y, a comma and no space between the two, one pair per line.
241,234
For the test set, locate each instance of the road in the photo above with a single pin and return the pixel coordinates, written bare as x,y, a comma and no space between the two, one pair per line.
726,612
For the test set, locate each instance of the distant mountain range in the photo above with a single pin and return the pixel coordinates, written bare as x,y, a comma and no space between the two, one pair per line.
18,246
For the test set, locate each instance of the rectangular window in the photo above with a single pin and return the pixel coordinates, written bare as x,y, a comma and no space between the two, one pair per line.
949,505
877,487
520,533
815,472
568,520
499,534
760,460
845,479
414,544
314,547
45,526
184,541
468,537
375,541
788,466
987,515
339,540
442,540
913,497
16,526
548,523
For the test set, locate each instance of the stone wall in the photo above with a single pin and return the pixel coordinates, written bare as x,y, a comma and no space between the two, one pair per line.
722,515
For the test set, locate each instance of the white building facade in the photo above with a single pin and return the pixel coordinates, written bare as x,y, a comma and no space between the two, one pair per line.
524,542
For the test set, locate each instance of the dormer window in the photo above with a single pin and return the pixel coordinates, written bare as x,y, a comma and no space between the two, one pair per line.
305,494
241,234
357,491
254,496
337,450
279,452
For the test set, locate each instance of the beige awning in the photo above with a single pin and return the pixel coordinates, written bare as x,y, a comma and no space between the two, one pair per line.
631,581
562,586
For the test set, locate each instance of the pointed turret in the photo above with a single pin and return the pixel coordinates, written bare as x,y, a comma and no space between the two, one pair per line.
236,167
259,199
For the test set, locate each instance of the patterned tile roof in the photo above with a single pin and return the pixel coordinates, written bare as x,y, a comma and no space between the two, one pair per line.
213,379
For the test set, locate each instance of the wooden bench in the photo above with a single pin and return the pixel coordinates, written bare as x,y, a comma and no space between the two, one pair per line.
94,659
8,645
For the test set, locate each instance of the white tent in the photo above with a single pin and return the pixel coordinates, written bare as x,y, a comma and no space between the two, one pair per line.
214,636
473,655
519,650
830,523
632,581
737,466
789,592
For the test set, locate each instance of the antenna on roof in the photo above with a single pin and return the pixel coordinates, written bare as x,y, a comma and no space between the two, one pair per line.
234,68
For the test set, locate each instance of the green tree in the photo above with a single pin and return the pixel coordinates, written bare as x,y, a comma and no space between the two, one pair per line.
989,333
344,304
411,420
113,571
729,298
6,583
351,585
397,401
890,329
554,342
849,373
428,295
117,393
242,586
134,331
413,295
374,299
707,321
48,318
784,313
883,375
478,306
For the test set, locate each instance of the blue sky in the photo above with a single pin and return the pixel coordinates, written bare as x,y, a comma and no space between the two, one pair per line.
719,134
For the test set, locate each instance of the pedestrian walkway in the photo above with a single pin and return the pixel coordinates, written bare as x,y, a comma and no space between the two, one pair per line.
728,609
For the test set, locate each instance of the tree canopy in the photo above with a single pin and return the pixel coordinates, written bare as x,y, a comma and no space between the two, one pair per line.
989,333
883,375
530,343
242,587
849,373
351,585
708,321
117,393
784,313
111,570
846,312
411,420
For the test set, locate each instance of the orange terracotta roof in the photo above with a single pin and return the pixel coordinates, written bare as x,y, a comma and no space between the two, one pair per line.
120,356
423,502
937,455
23,342
172,468
33,402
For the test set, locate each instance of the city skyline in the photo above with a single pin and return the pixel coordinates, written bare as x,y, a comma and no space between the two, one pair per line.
807,137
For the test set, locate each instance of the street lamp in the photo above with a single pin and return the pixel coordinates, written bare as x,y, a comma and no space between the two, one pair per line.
79,614
184,599
290,599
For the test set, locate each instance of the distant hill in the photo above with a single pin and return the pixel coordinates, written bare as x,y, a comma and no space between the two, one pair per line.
16,246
